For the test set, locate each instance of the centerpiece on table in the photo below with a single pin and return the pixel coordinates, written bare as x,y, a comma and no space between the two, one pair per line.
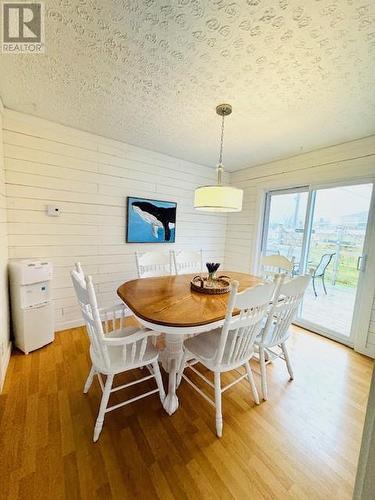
212,284
212,268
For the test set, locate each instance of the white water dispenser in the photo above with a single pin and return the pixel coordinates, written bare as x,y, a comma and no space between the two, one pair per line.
31,304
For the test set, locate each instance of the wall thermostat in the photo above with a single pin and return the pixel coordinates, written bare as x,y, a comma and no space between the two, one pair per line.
53,211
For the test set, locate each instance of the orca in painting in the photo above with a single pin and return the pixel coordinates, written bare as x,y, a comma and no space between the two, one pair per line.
157,217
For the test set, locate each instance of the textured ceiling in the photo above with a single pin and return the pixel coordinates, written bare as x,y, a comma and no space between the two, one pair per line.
299,74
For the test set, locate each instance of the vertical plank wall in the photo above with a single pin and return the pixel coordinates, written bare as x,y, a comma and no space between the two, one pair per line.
89,177
4,325
350,161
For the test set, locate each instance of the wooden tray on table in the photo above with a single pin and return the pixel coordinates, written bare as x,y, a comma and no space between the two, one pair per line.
217,286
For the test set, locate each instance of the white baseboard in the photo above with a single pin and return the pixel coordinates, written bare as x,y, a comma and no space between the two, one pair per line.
4,365
65,325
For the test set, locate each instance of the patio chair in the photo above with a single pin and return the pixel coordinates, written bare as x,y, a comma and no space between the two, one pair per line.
320,270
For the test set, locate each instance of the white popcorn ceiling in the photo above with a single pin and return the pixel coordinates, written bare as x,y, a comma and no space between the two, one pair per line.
299,74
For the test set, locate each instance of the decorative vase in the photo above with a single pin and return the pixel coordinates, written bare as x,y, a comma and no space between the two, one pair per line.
212,268
211,278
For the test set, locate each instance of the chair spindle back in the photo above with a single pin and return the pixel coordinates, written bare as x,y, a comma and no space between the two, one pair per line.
186,262
151,264
276,264
132,347
288,297
239,331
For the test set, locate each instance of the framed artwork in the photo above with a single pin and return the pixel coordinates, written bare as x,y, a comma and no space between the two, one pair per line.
150,221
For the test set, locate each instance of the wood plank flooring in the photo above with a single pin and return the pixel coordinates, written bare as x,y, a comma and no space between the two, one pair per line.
303,443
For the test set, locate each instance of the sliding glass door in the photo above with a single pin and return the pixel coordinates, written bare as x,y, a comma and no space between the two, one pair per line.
324,231
283,232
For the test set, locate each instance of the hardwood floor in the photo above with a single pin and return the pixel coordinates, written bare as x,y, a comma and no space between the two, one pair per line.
302,443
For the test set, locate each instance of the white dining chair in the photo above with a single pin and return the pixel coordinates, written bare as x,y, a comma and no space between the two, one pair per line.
187,262
120,306
276,264
230,347
150,264
287,298
114,349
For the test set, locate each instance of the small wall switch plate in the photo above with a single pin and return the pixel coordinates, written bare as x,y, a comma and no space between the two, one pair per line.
53,211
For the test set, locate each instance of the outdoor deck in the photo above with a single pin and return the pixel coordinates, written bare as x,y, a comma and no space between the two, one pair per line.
334,310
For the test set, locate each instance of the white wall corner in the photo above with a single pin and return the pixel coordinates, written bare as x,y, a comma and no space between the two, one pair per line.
4,365
5,345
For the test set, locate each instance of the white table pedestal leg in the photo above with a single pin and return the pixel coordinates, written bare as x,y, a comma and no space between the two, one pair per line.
171,360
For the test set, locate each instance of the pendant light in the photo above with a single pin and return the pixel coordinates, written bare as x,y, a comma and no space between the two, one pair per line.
219,197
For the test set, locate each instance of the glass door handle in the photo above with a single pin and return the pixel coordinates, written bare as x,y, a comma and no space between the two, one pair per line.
361,263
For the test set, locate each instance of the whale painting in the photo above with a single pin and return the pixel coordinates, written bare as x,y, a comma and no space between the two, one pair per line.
150,221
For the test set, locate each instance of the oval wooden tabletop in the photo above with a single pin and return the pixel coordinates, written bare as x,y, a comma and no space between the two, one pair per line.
169,301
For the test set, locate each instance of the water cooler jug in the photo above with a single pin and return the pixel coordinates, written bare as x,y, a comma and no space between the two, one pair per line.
31,304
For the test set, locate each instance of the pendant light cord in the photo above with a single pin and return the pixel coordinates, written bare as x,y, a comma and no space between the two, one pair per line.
220,167
221,141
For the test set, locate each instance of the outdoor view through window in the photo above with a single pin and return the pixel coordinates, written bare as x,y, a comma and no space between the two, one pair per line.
323,232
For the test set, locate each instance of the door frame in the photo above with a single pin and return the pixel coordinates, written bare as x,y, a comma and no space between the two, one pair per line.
365,292
365,287
269,194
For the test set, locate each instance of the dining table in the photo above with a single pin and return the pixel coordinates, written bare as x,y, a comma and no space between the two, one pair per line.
168,305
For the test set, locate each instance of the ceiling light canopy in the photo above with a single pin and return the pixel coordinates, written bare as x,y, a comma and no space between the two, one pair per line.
219,197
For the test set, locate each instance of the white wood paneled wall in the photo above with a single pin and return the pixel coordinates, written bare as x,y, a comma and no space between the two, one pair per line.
350,161
89,177
4,322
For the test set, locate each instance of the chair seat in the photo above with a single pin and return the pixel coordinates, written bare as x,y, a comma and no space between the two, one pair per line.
115,353
205,346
